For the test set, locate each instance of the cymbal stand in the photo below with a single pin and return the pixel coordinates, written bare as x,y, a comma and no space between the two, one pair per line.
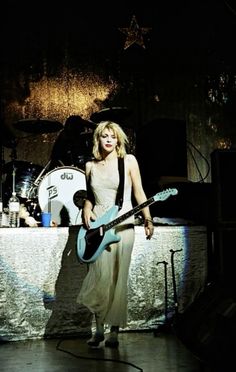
37,181
32,201
14,179
13,157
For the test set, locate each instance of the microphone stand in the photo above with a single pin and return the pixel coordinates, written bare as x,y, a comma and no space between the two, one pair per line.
174,281
165,326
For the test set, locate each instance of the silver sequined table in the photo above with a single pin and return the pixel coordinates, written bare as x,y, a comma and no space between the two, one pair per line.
40,277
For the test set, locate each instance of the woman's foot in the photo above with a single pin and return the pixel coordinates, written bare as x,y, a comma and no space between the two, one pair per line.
112,340
96,340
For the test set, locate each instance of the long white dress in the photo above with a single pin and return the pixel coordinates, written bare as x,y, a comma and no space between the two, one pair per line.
104,289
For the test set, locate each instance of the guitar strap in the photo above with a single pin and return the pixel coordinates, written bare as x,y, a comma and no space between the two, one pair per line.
120,191
90,195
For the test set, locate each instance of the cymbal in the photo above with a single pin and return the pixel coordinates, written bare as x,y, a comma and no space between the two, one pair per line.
115,114
38,126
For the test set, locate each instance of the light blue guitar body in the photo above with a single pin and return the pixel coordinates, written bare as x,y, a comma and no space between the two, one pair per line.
91,243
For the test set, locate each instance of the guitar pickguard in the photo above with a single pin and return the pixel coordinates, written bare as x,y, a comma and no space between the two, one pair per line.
93,239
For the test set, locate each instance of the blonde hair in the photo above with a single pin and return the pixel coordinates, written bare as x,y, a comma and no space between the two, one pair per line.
122,139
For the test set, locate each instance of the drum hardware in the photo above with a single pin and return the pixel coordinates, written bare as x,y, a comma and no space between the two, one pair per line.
38,126
24,178
33,190
33,208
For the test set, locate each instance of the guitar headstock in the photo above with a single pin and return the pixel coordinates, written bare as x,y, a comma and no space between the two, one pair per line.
163,195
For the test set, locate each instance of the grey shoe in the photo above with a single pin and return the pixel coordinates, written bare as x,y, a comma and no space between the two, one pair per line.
96,340
112,340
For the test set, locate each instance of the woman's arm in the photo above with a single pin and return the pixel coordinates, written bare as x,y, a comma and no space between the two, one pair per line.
139,193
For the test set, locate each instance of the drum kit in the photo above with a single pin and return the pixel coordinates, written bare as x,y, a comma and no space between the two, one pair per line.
62,189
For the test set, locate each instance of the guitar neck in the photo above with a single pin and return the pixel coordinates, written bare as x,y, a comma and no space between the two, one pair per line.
128,214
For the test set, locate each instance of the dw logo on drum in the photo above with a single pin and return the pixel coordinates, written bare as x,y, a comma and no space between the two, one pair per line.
67,176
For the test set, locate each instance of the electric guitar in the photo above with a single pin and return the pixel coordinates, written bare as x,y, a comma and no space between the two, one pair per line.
91,243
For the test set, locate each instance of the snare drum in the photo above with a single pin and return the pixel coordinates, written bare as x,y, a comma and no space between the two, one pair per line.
56,194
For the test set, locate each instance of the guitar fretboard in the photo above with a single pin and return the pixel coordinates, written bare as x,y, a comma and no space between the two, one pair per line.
128,214
160,196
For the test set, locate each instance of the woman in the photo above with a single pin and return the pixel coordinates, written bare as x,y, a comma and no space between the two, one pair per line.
104,289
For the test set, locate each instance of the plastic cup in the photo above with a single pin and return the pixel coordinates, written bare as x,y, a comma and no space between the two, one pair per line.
46,219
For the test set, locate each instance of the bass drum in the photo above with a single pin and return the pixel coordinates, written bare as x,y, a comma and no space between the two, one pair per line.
58,193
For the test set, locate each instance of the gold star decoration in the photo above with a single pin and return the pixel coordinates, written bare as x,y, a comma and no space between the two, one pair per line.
134,34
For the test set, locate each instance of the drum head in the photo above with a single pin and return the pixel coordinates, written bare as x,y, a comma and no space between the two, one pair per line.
56,194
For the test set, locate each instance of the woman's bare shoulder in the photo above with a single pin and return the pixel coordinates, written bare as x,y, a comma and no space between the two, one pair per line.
88,166
131,158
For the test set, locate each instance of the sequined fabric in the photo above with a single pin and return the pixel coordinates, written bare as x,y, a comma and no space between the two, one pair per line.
40,277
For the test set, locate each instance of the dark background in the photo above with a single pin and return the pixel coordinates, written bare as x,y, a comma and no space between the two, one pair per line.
179,86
